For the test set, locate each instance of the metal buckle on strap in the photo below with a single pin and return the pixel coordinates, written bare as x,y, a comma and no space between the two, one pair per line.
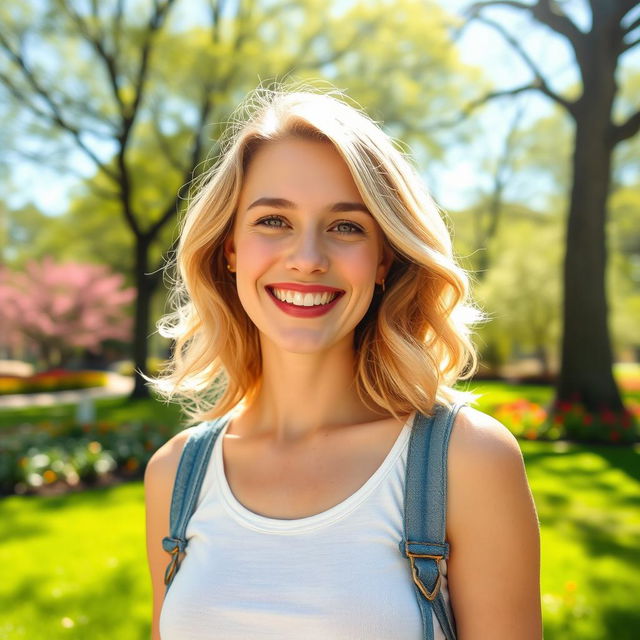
173,565
429,595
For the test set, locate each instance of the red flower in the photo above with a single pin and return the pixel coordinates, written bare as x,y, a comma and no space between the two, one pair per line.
587,419
608,417
615,436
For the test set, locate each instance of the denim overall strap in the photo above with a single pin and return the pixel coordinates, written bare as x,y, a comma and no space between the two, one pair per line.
186,489
425,504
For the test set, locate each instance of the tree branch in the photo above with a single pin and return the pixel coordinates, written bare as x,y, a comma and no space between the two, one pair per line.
117,26
21,97
633,26
196,153
336,54
626,6
164,145
154,24
627,129
129,113
475,104
476,7
98,45
37,159
630,45
216,7
545,11
55,116
539,79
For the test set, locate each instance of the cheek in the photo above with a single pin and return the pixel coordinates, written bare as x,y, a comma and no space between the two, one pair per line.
362,264
254,256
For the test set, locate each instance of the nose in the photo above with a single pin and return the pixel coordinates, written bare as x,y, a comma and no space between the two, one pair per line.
307,253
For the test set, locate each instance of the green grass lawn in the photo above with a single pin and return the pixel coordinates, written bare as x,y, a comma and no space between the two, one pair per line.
109,409
588,501
75,567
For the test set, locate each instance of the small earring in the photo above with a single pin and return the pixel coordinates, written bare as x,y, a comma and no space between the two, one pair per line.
382,284
229,268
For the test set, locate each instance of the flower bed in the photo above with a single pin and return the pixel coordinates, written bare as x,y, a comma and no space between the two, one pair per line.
570,422
54,380
34,457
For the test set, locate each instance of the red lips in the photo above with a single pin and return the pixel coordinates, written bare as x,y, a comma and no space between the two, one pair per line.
303,288
302,311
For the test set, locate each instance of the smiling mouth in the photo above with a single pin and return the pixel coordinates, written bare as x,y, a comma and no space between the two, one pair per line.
299,299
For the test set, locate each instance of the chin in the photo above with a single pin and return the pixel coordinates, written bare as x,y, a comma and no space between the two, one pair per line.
305,344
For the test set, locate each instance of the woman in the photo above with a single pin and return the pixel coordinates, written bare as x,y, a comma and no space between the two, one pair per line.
319,308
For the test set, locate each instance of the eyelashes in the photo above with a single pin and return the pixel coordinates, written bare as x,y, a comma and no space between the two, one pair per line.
344,227
266,222
354,228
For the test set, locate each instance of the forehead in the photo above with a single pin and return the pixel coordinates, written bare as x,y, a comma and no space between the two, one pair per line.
299,170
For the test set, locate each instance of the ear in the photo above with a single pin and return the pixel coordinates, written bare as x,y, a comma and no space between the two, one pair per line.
386,260
230,250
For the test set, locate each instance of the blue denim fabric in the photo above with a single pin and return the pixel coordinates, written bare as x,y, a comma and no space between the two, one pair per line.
186,489
425,504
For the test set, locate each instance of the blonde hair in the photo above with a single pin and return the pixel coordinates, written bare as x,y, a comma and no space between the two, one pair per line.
413,343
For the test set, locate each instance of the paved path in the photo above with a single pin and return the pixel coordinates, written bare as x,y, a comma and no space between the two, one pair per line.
117,385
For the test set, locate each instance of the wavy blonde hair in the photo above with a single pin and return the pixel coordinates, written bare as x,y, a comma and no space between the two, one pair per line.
413,343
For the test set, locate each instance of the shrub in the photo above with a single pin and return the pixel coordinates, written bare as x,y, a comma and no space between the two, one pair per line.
33,456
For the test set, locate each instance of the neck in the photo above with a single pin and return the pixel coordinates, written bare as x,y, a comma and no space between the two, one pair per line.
303,394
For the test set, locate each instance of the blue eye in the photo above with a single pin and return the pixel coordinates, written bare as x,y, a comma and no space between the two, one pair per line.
269,222
347,227
343,227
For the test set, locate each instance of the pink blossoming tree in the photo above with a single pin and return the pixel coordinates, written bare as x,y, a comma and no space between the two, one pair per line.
58,308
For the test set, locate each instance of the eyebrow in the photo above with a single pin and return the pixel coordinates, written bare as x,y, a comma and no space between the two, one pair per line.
281,203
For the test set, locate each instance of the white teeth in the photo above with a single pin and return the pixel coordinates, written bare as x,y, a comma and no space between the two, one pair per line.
304,299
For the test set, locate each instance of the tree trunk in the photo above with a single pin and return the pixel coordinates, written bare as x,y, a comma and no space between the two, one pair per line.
586,374
145,285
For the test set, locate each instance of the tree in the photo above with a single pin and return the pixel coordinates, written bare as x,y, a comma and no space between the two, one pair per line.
137,92
526,255
586,359
126,99
58,308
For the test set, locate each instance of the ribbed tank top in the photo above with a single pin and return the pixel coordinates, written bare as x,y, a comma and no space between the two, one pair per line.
336,575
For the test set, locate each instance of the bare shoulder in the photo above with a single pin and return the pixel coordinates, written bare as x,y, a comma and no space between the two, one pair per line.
493,532
485,463
163,464
481,441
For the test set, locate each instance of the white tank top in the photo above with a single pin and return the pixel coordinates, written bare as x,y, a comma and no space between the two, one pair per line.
335,575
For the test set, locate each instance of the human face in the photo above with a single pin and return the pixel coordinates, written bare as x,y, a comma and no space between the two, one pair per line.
301,224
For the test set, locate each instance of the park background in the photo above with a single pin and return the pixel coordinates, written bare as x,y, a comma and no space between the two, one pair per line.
523,120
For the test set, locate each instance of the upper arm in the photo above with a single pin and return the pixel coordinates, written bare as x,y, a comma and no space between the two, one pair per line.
158,488
493,570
